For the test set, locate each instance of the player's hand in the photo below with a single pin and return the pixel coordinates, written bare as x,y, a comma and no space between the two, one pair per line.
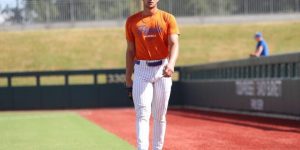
128,85
252,55
129,82
168,70
129,92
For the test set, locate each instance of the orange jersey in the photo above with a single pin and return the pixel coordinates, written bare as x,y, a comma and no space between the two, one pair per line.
150,34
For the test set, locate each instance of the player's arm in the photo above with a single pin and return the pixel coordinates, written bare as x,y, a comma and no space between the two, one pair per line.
130,53
173,48
173,45
258,51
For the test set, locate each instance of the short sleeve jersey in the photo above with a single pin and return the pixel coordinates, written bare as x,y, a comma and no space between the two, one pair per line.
150,34
265,51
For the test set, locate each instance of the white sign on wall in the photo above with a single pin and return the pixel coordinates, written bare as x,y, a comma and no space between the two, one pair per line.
257,104
261,88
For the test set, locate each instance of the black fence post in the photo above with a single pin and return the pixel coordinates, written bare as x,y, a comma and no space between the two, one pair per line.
38,81
95,78
9,84
66,79
298,69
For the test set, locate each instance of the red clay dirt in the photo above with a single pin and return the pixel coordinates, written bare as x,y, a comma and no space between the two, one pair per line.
194,130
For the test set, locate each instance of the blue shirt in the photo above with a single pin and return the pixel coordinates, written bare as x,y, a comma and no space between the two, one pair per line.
265,51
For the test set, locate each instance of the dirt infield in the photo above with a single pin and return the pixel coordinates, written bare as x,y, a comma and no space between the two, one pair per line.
193,130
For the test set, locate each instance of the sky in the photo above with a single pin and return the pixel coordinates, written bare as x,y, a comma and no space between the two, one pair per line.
10,3
3,3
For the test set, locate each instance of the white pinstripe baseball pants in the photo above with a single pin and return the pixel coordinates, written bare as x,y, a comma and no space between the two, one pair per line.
151,93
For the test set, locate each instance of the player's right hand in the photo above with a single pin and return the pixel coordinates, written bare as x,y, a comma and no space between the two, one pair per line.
129,83
129,92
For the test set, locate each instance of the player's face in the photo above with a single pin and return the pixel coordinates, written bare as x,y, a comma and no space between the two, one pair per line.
257,39
150,3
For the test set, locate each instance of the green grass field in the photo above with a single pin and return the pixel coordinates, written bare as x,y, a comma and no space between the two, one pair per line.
54,131
60,49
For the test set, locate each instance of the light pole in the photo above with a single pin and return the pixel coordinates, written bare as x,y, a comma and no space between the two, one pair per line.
141,5
17,4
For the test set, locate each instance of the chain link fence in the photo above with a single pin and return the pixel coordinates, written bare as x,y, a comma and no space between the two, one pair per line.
32,12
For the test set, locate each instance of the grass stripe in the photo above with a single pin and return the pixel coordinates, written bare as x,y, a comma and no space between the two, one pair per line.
54,130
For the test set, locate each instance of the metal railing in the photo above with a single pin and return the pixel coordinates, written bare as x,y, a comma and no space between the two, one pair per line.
96,88
111,76
72,11
108,76
286,66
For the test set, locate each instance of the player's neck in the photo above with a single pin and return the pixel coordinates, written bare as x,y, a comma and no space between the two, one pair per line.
150,11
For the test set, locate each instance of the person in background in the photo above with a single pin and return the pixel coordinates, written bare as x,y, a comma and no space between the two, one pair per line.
261,47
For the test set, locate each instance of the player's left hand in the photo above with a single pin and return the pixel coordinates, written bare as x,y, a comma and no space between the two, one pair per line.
253,55
168,70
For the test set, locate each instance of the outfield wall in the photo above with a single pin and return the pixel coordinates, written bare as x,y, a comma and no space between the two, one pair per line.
94,89
275,96
266,85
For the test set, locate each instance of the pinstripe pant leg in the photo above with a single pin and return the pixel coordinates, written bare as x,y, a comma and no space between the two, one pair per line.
142,95
162,90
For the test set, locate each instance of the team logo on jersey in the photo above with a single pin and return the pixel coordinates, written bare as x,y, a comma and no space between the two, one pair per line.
149,32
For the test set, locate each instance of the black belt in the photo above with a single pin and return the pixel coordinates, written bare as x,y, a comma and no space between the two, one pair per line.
151,64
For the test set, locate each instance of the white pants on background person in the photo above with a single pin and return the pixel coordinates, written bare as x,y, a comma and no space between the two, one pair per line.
151,93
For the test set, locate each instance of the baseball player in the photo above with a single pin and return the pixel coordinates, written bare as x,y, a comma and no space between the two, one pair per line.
261,46
152,50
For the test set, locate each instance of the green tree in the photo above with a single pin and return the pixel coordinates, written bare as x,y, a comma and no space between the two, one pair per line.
41,10
199,7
